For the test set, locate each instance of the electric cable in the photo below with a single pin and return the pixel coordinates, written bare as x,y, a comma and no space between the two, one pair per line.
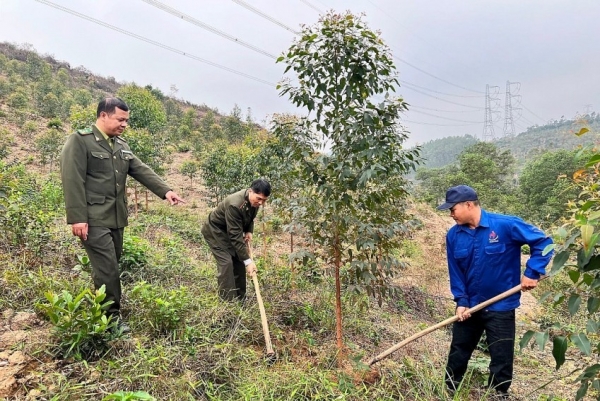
447,118
155,43
202,25
265,16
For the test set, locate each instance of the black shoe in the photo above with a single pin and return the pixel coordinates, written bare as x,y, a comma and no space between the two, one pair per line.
502,395
121,327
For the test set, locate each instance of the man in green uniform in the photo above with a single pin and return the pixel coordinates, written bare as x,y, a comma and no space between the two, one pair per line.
94,166
227,231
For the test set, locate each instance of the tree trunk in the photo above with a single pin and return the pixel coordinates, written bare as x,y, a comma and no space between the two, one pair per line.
338,298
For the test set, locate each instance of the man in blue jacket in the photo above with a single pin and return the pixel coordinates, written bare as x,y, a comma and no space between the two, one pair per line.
484,260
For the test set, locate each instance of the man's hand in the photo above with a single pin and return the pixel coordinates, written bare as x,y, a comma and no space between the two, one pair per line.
173,198
463,313
247,237
80,230
528,283
251,269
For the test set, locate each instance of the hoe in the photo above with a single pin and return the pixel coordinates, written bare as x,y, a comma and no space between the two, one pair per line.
270,356
446,322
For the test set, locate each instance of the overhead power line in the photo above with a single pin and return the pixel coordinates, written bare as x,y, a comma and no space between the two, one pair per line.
439,125
265,16
441,93
433,76
412,106
545,121
312,6
447,118
444,100
155,43
202,25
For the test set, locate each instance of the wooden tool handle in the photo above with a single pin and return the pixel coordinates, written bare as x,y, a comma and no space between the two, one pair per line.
446,322
261,307
263,316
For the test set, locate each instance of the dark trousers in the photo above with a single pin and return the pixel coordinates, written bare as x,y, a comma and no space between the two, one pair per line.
104,247
500,333
231,275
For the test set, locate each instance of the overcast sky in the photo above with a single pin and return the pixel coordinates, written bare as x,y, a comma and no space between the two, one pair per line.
446,52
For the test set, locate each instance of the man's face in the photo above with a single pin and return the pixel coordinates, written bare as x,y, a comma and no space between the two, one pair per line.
256,199
461,212
114,124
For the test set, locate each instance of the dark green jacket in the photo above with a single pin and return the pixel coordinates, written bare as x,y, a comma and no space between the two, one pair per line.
94,179
227,224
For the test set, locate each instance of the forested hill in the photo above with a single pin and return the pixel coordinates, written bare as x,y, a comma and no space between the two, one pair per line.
35,88
558,134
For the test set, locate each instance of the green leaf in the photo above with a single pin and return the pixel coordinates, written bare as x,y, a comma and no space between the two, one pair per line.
593,160
574,303
582,342
525,340
582,391
559,350
559,261
593,304
574,275
592,264
591,326
541,338
545,296
548,249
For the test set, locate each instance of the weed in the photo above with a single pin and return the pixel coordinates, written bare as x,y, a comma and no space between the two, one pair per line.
129,396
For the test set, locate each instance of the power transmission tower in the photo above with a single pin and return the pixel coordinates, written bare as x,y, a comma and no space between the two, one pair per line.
512,100
492,102
588,108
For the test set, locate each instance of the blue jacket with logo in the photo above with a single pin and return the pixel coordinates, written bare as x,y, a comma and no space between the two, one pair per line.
486,261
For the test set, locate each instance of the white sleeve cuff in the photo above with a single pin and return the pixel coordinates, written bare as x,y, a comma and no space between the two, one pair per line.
247,262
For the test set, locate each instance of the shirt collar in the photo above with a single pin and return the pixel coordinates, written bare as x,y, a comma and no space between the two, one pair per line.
102,132
484,221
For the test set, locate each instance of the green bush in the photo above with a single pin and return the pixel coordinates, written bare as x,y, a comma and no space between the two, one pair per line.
164,309
30,208
80,322
134,254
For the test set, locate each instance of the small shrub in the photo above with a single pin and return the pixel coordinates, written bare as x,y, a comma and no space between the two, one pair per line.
165,310
80,322
134,254
184,147
29,128
54,123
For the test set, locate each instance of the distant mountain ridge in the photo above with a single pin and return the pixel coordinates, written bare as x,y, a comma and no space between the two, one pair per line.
555,135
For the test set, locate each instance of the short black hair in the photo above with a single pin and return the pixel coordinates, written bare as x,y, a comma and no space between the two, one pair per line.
261,186
109,104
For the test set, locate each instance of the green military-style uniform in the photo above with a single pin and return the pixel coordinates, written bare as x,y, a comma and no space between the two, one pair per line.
224,232
94,174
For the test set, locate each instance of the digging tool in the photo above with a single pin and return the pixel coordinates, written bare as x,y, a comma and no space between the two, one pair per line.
446,322
271,356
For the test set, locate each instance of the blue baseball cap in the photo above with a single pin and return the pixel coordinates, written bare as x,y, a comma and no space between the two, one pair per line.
457,194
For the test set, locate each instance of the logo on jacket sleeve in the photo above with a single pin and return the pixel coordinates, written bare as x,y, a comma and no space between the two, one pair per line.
493,237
